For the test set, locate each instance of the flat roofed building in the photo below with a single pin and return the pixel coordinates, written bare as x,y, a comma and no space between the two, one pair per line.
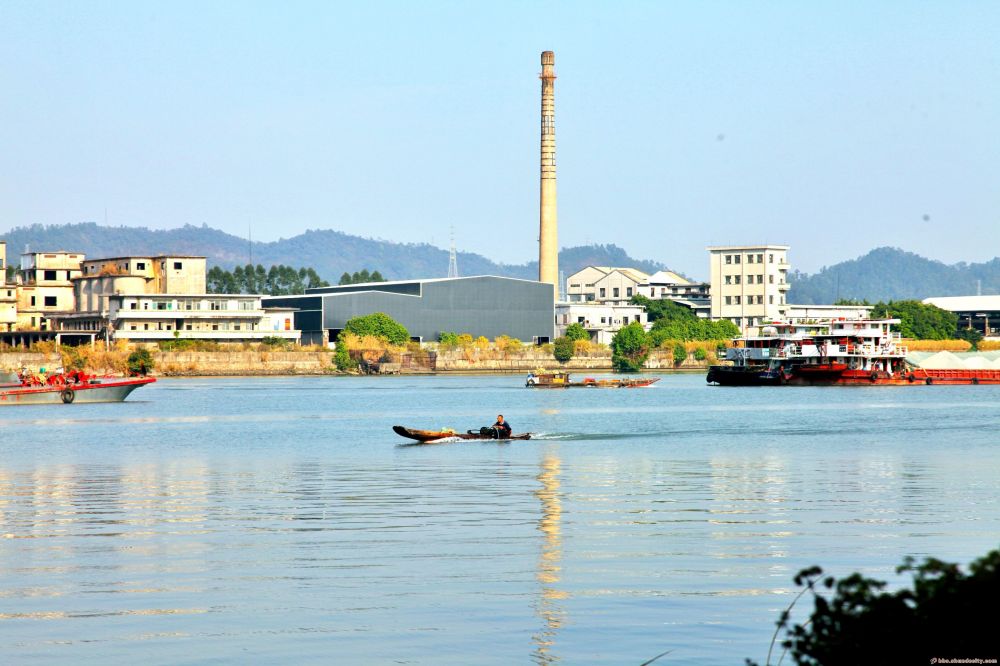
215,317
152,274
979,312
46,288
486,305
600,320
748,283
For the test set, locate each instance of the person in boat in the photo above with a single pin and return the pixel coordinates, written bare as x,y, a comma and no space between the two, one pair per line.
503,427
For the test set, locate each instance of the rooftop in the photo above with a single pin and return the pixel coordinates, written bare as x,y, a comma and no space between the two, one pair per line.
965,303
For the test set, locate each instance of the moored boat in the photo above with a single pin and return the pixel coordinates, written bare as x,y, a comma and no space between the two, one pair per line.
833,352
447,433
560,379
73,388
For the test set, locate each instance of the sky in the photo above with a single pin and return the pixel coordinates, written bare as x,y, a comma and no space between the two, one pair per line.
833,127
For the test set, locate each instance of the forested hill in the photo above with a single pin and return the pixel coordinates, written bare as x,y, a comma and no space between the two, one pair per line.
888,273
331,253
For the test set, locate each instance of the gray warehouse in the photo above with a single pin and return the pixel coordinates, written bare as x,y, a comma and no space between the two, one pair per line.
483,305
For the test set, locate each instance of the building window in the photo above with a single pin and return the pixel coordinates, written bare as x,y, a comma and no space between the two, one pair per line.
770,300
32,303
140,266
215,327
132,327
729,300
760,279
50,301
604,320
603,292
770,258
178,265
736,278
49,275
187,327
736,300
729,279
760,258
770,279
628,291
145,327
615,292
579,320
749,258
736,259
729,258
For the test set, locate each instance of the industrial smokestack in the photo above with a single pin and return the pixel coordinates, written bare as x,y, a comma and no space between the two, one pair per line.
548,244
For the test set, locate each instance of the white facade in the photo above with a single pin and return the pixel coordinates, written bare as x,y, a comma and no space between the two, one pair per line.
749,283
216,317
604,284
802,314
600,320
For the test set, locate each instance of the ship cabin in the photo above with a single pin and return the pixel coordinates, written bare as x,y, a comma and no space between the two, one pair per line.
817,342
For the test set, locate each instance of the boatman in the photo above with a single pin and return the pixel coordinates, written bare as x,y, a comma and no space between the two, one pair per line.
503,427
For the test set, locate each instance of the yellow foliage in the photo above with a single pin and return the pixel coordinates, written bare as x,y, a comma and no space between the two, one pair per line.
938,345
507,344
582,347
989,345
482,343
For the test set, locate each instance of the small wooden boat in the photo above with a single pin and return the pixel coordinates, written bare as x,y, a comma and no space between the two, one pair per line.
559,379
434,435
70,388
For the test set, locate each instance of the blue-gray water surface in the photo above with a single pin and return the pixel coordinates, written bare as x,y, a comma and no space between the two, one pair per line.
279,520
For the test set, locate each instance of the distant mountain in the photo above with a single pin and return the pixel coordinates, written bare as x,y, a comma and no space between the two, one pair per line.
331,253
888,273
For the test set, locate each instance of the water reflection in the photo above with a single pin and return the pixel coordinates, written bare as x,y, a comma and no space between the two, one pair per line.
548,607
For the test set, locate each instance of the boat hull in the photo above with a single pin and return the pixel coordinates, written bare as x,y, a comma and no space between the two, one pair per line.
97,391
737,376
597,383
434,435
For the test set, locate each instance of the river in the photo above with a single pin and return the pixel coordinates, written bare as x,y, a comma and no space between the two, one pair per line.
279,520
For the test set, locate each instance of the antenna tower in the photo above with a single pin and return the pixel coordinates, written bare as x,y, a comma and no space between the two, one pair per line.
453,258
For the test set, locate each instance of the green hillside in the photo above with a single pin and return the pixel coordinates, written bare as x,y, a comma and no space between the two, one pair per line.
331,253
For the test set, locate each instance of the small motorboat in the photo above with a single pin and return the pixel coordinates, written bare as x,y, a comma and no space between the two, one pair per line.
447,433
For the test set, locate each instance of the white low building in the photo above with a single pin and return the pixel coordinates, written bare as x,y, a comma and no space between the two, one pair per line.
600,320
979,312
803,314
213,317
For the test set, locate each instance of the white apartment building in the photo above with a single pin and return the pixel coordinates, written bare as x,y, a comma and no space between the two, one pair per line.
600,320
748,283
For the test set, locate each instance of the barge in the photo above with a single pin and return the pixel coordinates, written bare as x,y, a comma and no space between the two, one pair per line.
560,380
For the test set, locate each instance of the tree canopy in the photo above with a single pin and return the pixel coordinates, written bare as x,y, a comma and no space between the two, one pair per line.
919,320
279,280
379,325
576,331
360,277
672,321
630,348
562,349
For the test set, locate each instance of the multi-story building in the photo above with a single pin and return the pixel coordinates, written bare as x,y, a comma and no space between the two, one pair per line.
102,278
600,320
8,294
671,286
748,283
604,284
46,288
151,318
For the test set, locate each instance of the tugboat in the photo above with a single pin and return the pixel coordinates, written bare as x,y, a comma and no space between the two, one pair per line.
558,379
832,352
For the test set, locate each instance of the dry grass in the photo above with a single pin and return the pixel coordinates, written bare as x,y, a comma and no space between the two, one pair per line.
989,345
937,345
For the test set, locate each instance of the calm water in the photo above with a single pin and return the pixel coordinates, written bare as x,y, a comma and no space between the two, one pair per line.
280,520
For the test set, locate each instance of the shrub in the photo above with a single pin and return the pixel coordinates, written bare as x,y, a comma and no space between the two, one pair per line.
449,340
583,347
342,358
972,336
680,353
508,345
629,348
274,341
700,354
140,362
562,349
576,331
380,325
946,613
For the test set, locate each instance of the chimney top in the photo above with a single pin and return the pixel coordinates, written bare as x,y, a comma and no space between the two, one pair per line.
548,58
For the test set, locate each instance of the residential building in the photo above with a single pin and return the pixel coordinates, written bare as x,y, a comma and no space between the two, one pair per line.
46,288
8,294
671,286
483,305
604,284
979,312
151,318
748,283
600,320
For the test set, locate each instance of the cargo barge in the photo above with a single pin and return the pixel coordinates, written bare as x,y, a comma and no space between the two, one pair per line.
835,352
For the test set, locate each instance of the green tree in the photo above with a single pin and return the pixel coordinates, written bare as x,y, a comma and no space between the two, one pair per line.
562,349
576,331
345,279
380,325
376,277
972,336
919,320
630,348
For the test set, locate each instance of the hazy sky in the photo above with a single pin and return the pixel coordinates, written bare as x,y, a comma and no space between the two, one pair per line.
833,127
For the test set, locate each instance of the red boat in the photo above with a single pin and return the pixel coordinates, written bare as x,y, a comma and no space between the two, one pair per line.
68,388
